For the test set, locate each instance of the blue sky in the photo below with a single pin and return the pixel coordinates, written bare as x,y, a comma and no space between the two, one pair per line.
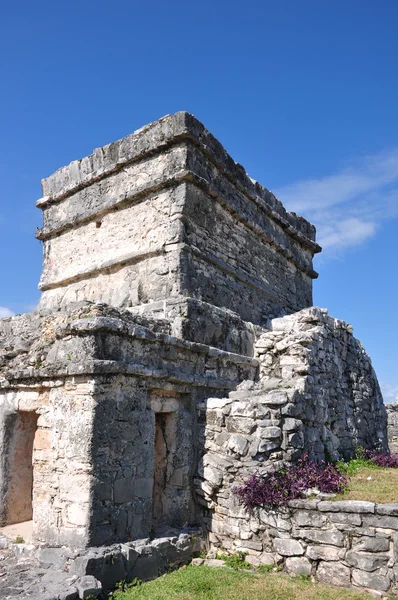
303,93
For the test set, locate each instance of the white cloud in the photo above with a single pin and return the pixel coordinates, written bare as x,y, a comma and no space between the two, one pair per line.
348,206
389,391
5,312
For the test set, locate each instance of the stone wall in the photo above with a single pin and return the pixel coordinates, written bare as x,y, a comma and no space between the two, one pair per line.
392,426
66,573
340,403
317,394
340,543
166,214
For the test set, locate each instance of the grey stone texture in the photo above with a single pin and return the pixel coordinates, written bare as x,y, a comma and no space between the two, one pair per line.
175,351
392,425
166,213
307,540
101,380
78,574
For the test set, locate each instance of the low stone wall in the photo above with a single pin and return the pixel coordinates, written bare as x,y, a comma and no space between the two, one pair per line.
67,574
340,543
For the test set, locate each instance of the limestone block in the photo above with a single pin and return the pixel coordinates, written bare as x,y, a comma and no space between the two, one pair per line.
88,586
383,522
333,573
366,562
298,565
372,581
274,519
326,553
270,433
345,518
288,547
309,518
371,544
387,509
332,538
351,506
238,444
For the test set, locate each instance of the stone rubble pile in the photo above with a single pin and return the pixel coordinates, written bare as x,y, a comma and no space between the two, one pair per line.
43,573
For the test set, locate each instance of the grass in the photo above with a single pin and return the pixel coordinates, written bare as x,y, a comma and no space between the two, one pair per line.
381,488
19,540
368,481
219,583
235,561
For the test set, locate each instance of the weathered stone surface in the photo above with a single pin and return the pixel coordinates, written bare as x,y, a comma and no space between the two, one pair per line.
214,562
174,354
370,580
288,547
371,544
350,506
346,518
324,553
366,562
333,574
333,538
387,509
381,521
88,586
309,518
298,565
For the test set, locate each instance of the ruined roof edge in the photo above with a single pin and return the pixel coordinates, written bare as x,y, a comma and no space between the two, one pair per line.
151,139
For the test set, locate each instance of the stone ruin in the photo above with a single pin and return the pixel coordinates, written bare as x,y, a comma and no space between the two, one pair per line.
392,425
175,349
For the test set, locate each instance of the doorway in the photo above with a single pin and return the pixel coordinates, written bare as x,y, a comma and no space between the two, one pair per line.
19,506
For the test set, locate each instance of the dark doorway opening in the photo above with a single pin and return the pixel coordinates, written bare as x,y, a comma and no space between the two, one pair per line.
19,505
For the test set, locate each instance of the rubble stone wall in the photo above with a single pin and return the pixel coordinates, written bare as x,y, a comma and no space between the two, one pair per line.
317,394
341,543
392,426
341,406
70,573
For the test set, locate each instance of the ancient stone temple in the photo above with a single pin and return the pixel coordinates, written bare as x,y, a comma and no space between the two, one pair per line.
175,347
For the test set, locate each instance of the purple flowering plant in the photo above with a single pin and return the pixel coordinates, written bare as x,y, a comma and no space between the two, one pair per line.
276,489
383,459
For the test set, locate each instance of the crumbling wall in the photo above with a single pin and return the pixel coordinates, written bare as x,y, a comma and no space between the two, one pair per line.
341,402
317,394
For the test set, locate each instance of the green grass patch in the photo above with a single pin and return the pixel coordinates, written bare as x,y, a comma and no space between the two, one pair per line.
219,583
372,484
235,561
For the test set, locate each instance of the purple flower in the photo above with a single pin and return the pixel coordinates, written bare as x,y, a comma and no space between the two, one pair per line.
383,459
276,489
